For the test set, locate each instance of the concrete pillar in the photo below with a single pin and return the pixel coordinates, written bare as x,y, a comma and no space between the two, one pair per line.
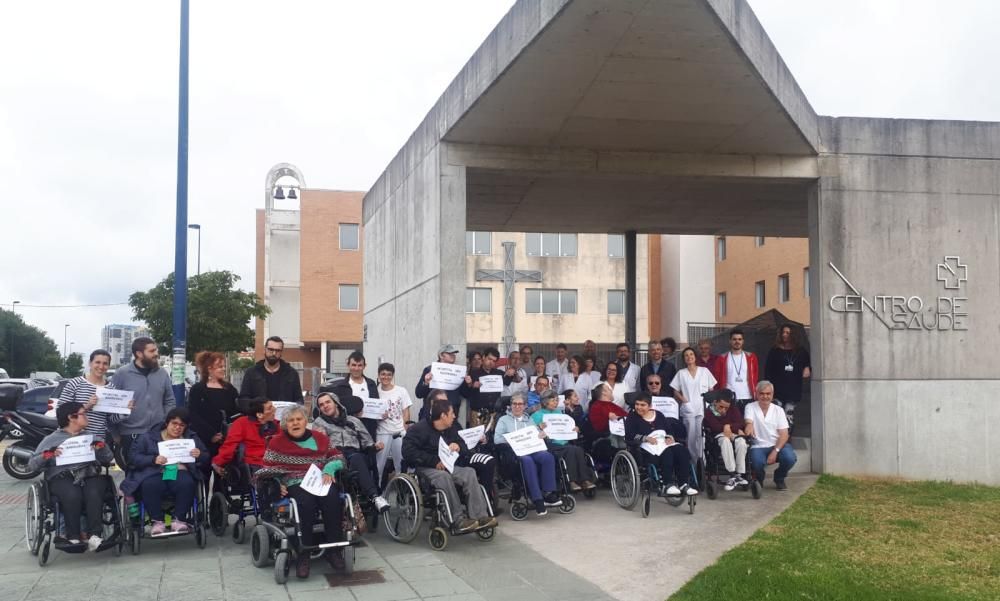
630,289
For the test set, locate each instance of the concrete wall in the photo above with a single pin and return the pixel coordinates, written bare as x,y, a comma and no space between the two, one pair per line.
896,197
687,285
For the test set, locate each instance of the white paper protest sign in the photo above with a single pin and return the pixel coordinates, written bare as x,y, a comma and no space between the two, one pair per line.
375,408
661,443
665,405
447,376
177,450
446,455
525,441
559,426
110,400
490,383
471,436
616,426
280,407
77,449
313,482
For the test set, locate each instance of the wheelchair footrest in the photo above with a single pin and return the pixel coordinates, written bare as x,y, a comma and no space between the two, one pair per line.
345,543
168,534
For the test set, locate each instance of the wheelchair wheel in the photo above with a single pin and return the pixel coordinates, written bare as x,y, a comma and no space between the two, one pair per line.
404,516
568,504
218,513
756,489
518,511
485,534
45,547
281,567
260,546
136,540
692,501
711,489
674,501
699,472
201,535
240,533
348,560
33,520
646,504
438,538
625,480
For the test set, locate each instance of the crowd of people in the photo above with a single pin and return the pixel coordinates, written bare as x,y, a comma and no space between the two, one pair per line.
750,420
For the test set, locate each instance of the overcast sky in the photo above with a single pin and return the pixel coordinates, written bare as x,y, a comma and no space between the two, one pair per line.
88,114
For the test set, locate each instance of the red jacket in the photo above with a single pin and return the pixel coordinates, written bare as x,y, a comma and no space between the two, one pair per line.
599,414
720,371
247,432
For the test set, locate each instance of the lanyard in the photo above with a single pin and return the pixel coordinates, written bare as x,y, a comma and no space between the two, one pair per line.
738,368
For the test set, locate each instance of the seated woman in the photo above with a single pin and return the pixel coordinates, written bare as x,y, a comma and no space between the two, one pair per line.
348,434
78,486
581,476
150,474
288,457
603,409
674,462
251,431
539,468
725,423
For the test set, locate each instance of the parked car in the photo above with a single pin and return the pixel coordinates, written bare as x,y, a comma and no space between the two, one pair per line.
54,398
36,400
3,374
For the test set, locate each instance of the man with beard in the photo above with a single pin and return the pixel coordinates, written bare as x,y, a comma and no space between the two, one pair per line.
479,401
153,396
628,372
737,370
273,378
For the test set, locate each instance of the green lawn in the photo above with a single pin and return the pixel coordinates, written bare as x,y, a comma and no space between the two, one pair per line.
863,540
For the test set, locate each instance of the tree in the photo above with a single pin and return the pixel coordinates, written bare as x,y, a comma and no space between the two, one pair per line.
25,348
218,313
73,366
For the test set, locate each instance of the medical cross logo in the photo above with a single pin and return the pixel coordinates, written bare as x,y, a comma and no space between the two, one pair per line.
953,273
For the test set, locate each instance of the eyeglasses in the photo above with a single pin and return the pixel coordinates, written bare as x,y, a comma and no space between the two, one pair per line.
653,383
518,404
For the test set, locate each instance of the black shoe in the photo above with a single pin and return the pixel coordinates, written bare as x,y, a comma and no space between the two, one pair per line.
540,508
552,500
302,566
335,557
780,485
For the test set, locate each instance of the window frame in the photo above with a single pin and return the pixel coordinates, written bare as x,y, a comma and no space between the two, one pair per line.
340,296
616,291
540,237
616,237
784,288
475,305
760,294
541,296
805,282
357,236
758,241
471,238
722,304
720,249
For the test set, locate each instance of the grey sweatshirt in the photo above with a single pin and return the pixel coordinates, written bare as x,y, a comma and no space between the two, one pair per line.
153,398
54,440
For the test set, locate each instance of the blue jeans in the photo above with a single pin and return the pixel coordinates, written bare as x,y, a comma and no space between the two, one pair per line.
758,462
541,464
155,489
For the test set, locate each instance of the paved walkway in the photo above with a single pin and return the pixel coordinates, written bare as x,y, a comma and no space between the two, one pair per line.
540,559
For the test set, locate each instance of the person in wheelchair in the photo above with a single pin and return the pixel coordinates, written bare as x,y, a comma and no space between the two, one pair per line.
151,474
79,487
724,423
349,434
581,475
539,469
289,456
251,431
420,451
674,462
534,398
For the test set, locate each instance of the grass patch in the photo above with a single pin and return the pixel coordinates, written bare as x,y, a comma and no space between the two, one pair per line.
859,540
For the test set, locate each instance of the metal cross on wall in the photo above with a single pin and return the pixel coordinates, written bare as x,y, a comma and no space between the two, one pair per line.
509,276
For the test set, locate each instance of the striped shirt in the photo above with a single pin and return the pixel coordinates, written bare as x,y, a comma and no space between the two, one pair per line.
79,389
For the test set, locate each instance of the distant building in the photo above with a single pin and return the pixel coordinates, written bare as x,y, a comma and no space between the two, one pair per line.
117,339
757,273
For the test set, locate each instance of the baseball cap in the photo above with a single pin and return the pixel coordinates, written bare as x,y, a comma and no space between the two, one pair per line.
448,348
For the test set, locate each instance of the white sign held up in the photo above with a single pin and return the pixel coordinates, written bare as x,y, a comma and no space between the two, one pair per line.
447,376
559,426
617,426
446,455
490,383
177,450
374,408
525,441
110,400
665,405
313,484
471,436
77,449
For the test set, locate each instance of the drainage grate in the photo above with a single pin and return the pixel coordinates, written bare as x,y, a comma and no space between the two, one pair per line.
357,578
13,499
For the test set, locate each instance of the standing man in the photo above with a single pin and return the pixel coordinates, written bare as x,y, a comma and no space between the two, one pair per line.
658,365
272,378
787,367
526,354
153,396
361,386
737,370
515,379
767,425
446,354
479,401
590,351
557,368
628,372
705,357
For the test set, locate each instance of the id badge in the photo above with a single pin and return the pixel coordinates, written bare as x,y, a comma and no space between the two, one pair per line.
789,368
739,379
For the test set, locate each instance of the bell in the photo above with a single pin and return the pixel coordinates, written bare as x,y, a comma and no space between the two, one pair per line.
279,194
291,194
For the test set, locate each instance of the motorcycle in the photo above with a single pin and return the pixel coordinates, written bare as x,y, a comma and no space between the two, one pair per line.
33,428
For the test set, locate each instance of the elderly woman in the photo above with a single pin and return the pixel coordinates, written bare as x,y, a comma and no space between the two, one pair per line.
156,478
349,434
581,476
646,425
289,456
539,468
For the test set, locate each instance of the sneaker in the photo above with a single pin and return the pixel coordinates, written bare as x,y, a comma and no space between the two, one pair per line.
159,529
488,522
741,480
94,542
540,508
780,485
587,485
573,486
731,484
689,490
179,527
673,491
302,566
381,504
552,500
73,541
467,525
335,557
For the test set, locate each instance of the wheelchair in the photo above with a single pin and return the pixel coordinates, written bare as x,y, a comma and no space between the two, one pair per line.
236,496
135,528
412,501
715,467
277,537
352,485
519,503
44,523
635,482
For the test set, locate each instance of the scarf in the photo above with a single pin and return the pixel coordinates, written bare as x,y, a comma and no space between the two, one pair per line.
287,461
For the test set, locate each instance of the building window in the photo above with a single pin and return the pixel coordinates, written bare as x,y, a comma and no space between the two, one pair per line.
349,236
805,282
550,301
722,304
478,300
350,297
783,288
477,243
616,302
720,248
551,245
758,240
616,246
760,298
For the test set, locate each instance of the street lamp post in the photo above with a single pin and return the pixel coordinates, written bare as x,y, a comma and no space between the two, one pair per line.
195,226
65,338
13,306
179,346
13,357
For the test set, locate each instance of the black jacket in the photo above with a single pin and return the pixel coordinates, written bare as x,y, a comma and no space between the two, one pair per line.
422,390
666,372
255,383
636,428
480,400
370,424
420,445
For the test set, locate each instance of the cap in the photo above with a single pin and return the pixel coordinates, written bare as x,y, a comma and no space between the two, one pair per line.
451,349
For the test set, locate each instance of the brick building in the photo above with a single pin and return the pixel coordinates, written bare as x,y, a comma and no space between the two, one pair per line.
757,273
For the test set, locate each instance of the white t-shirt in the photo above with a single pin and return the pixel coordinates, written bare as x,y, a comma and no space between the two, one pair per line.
692,387
397,400
737,375
360,390
765,427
